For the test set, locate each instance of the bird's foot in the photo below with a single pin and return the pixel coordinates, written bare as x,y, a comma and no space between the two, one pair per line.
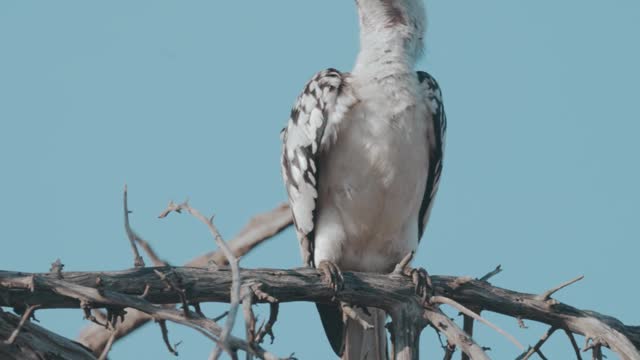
422,282
419,276
331,275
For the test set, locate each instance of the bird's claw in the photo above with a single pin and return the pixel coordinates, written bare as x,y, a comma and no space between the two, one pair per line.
422,281
331,275
419,277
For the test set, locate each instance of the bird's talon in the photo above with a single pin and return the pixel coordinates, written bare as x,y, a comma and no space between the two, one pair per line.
422,281
332,275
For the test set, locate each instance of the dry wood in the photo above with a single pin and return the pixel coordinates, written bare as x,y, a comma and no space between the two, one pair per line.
259,229
388,292
151,293
36,342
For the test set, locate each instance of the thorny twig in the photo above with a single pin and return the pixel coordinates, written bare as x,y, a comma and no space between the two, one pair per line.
258,229
233,262
109,298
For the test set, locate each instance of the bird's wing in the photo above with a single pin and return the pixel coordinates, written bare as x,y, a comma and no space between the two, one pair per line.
312,128
436,139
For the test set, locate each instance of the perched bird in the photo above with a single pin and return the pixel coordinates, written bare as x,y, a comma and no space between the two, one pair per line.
361,162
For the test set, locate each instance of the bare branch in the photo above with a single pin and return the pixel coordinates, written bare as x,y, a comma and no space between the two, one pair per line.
221,316
471,314
249,318
165,337
107,348
547,294
28,313
375,290
491,274
235,270
178,289
456,337
36,342
260,228
467,326
538,345
138,261
574,344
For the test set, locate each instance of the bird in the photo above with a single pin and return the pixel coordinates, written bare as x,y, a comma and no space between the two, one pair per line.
361,161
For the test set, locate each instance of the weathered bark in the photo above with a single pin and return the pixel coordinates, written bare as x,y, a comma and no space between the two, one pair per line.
387,292
37,343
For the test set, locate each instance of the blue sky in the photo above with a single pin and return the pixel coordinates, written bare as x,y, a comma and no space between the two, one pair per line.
186,99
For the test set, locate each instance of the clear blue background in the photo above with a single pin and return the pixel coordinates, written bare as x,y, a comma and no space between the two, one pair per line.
186,99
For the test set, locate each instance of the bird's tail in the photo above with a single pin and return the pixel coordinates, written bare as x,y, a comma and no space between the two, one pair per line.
349,339
361,343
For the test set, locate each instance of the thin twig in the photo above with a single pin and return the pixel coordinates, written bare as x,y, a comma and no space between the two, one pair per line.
491,274
165,337
25,317
538,345
464,310
456,336
107,348
151,253
221,316
258,229
574,344
449,350
547,294
178,289
145,293
233,262
249,319
521,323
203,325
138,261
267,329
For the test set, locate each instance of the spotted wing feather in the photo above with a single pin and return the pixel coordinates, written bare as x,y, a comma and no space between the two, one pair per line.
437,130
312,127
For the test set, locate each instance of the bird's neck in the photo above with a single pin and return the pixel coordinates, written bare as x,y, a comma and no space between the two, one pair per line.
390,36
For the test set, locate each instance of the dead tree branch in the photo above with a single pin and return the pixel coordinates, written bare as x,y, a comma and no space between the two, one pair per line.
36,342
381,291
260,228
137,259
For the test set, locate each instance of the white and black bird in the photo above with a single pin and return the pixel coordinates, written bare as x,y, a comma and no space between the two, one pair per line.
361,161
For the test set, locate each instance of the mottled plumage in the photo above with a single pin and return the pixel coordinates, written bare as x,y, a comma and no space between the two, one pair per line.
362,158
